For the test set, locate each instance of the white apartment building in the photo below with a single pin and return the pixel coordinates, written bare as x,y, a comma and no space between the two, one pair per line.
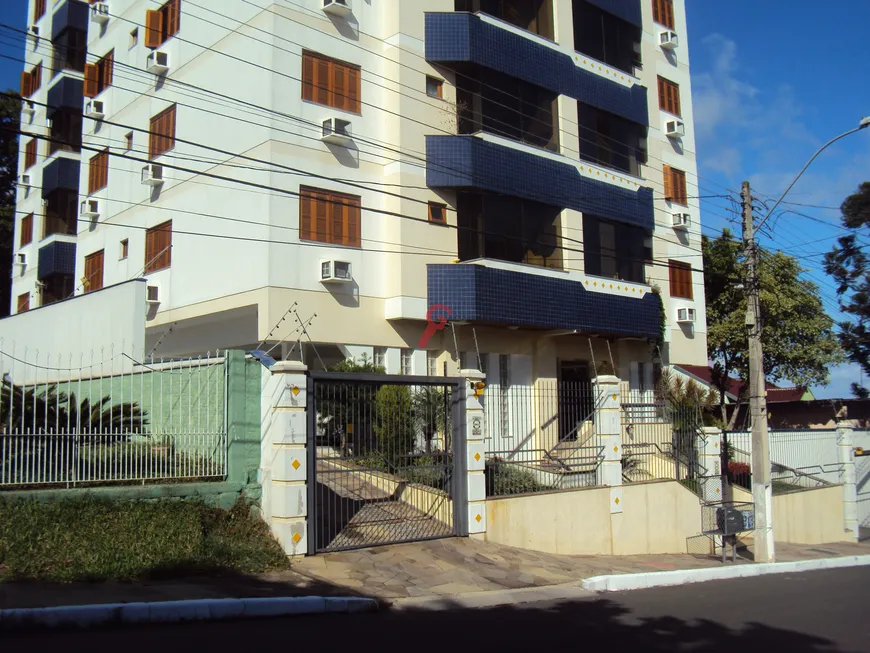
528,164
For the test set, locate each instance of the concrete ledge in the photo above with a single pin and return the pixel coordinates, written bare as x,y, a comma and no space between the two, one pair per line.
624,582
177,611
129,492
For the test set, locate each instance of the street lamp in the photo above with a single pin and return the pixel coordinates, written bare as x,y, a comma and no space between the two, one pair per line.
865,122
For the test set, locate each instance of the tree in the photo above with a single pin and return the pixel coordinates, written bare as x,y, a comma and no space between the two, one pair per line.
10,116
797,335
849,266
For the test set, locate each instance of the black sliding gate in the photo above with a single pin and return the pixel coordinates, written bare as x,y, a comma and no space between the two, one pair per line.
386,459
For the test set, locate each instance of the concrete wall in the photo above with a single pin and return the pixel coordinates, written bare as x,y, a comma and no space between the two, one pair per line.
806,516
654,518
97,327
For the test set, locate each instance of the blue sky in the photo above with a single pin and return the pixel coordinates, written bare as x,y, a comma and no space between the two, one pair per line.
772,81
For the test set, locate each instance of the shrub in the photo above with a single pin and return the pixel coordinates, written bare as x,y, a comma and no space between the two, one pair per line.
504,478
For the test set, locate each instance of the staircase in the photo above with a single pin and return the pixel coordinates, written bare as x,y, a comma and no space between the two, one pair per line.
573,454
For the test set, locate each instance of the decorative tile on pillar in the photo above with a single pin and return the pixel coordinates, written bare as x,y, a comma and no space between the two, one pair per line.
289,427
474,425
293,393
293,535
289,464
477,517
476,456
612,448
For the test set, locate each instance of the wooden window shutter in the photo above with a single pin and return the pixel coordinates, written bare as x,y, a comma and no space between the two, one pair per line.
669,182
92,80
93,272
305,206
675,99
322,81
340,98
26,230
26,84
36,77
23,302
153,29
321,218
354,224
353,90
307,76
173,18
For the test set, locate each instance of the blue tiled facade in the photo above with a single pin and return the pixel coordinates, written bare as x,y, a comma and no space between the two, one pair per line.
67,92
61,173
462,37
71,13
629,10
470,162
56,258
504,297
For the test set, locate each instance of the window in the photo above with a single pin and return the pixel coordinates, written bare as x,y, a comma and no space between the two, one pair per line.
125,249
432,363
434,87
534,16
61,213
98,76
38,10
134,38
669,96
663,12
128,142
675,186
69,50
601,35
31,81
380,357
93,272
26,230
23,303
681,279
610,140
437,213
162,24
407,365
65,131
162,138
98,172
158,247
329,217
333,83
30,153
613,250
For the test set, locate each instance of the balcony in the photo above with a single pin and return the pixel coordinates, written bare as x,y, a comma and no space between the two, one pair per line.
67,93
609,32
58,257
71,15
534,16
489,292
489,163
60,174
458,39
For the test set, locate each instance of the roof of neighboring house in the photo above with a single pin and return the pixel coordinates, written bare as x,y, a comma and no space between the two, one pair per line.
775,394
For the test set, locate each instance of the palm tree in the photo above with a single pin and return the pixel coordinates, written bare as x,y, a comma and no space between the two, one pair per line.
103,416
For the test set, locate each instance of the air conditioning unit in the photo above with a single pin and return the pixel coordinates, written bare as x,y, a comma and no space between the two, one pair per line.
20,261
686,315
95,109
28,109
335,272
34,29
100,13
682,221
90,209
675,128
157,62
668,40
337,7
337,132
152,294
24,181
152,174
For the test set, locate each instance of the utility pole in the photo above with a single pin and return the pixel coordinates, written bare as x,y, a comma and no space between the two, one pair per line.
762,494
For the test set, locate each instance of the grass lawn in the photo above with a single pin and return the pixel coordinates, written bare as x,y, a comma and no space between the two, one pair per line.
125,540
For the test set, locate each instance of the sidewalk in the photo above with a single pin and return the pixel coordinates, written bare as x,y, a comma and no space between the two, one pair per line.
438,568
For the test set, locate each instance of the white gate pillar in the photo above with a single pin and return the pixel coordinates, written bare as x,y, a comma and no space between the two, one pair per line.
608,427
284,454
475,452
848,479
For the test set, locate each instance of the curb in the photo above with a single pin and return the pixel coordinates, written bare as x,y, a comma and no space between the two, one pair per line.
178,611
493,598
624,582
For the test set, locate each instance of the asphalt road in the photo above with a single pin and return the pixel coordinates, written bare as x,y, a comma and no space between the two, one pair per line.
822,611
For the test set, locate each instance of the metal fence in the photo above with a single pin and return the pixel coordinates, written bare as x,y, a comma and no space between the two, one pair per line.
384,459
800,459
541,437
111,420
660,439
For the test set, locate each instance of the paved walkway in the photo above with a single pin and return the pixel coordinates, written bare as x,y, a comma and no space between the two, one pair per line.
425,569
461,565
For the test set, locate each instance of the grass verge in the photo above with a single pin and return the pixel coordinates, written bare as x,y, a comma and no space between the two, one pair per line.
94,540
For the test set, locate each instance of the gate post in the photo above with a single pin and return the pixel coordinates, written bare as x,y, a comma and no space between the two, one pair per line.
608,426
848,478
709,448
284,455
474,517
